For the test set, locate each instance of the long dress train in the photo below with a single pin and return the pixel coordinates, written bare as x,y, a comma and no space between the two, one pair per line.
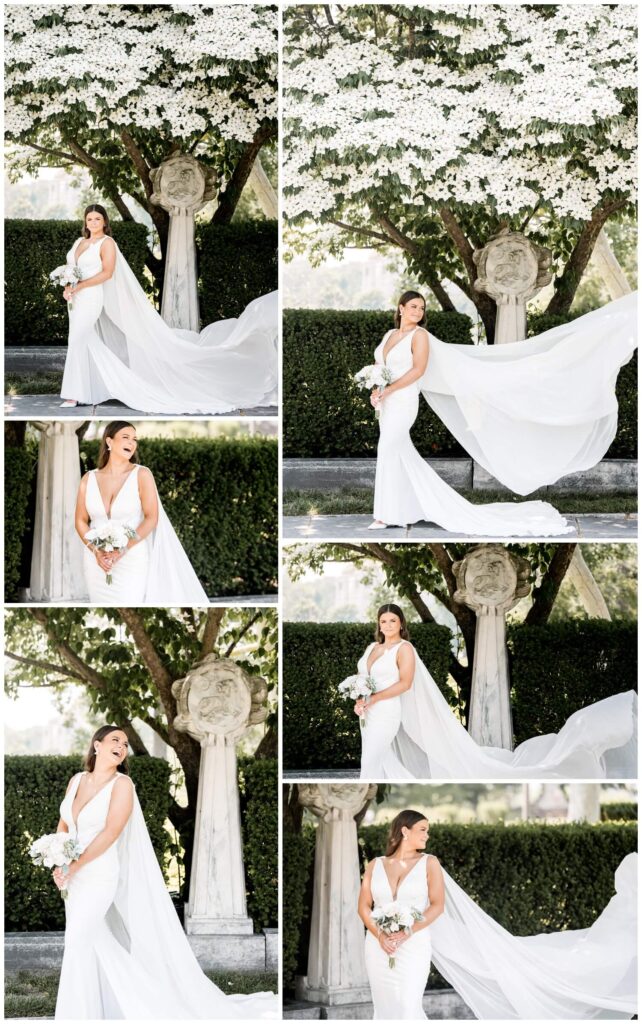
121,348
417,736
156,571
126,955
528,412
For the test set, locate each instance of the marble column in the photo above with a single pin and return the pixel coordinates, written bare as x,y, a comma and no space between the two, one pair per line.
57,555
181,186
336,963
606,262
583,802
266,195
511,269
491,580
216,702
586,586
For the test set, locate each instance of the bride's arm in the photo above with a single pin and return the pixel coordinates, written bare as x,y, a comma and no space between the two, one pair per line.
406,666
108,260
81,523
120,809
62,825
420,352
365,906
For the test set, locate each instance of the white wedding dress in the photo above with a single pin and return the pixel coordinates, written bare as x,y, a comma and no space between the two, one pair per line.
528,412
126,956
156,571
121,348
417,736
586,974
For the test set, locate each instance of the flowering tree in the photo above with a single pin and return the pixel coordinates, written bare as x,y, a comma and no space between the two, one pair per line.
116,89
427,128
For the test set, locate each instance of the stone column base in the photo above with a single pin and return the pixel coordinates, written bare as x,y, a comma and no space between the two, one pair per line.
218,926
332,995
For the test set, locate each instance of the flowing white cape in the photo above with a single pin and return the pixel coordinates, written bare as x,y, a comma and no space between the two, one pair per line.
587,974
171,580
231,364
533,411
144,921
598,741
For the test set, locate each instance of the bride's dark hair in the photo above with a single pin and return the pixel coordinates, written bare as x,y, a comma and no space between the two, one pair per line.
406,297
405,819
95,208
395,610
99,735
110,431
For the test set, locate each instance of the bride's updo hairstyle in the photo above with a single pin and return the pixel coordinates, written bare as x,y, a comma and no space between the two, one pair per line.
394,609
406,297
405,819
98,737
110,431
97,208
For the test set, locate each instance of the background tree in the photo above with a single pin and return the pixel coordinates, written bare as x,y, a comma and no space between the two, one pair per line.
427,128
116,89
126,660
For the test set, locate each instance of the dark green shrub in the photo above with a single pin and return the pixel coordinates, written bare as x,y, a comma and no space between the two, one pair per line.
619,811
322,350
237,263
221,498
34,789
321,730
258,782
559,668
35,313
530,878
298,860
19,468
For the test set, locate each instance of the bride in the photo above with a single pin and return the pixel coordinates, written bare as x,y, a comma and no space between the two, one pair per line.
126,956
584,974
410,732
153,568
120,347
528,412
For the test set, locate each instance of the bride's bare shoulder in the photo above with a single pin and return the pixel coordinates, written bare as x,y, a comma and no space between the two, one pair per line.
433,865
71,781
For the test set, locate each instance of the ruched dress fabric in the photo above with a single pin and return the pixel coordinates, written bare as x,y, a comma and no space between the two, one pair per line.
126,956
417,736
155,571
397,991
121,348
528,412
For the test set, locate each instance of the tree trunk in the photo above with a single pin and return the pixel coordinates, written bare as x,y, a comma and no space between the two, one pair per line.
228,200
545,595
567,284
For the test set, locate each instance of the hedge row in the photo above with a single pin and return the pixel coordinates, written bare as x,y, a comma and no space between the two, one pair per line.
531,878
320,728
237,263
35,313
622,810
19,471
555,670
323,348
559,668
34,788
258,783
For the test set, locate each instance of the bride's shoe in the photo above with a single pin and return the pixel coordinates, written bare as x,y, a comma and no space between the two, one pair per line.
68,404
378,525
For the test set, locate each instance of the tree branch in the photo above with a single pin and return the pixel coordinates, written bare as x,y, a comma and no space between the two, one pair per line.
568,282
544,596
228,200
58,153
211,631
248,625
365,232
46,666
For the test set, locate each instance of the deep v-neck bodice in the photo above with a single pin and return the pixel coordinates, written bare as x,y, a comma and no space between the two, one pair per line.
90,818
126,506
89,262
411,888
385,355
398,358
76,814
113,501
371,664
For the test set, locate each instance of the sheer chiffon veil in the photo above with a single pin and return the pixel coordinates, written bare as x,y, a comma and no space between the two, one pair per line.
170,576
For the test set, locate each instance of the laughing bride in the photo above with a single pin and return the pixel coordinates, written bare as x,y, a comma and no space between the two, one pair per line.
121,348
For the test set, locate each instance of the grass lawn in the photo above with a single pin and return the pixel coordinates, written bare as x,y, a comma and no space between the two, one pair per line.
33,384
358,501
33,993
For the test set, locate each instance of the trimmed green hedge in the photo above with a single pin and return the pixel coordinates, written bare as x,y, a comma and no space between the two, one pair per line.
298,870
530,878
34,789
237,263
320,728
19,466
221,497
559,668
621,810
323,348
258,783
35,313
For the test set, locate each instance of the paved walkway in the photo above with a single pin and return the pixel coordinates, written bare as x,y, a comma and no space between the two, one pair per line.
37,407
319,775
588,526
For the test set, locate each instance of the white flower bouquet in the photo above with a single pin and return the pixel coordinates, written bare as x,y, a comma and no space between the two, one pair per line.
356,687
110,537
57,850
373,376
66,275
394,917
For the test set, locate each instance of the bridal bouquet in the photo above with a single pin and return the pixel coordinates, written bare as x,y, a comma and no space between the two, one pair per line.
58,850
110,537
64,276
374,376
394,917
356,687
